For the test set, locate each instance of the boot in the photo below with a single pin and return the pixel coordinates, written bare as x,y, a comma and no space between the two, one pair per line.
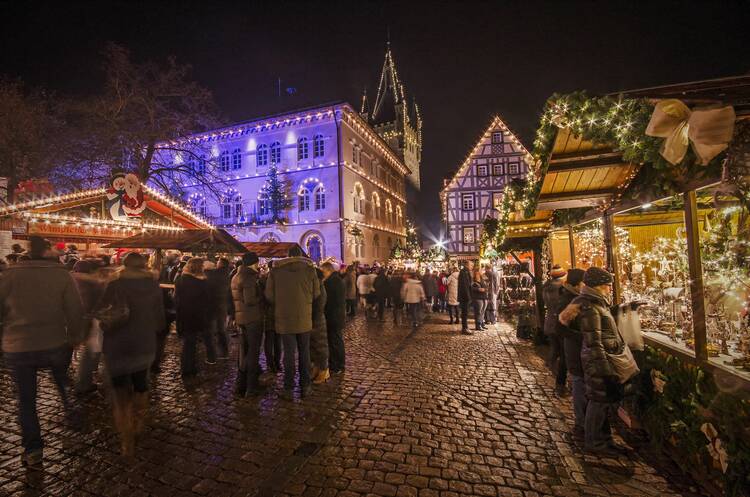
322,376
123,417
140,411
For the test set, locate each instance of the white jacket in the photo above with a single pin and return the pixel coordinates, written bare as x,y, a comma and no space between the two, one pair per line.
412,292
452,293
366,283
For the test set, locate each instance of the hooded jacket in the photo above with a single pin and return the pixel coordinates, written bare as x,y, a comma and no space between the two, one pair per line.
246,296
452,293
412,292
40,306
551,295
292,287
335,308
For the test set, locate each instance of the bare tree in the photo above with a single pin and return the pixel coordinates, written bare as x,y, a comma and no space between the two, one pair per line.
145,121
27,131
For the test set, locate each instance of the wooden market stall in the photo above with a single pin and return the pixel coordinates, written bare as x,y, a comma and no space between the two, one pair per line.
189,240
271,250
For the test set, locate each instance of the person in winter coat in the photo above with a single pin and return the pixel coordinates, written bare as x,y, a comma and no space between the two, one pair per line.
551,295
129,349
493,286
451,296
464,295
567,329
248,314
350,282
219,284
192,297
600,337
319,337
430,284
41,322
412,293
365,286
335,314
442,279
382,289
90,286
292,287
272,345
395,282
479,299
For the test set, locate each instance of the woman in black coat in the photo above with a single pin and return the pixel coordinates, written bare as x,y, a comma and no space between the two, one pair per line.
192,301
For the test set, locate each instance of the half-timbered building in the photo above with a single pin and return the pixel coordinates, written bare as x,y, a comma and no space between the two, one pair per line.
475,192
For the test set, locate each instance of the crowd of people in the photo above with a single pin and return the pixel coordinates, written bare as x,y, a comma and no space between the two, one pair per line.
122,311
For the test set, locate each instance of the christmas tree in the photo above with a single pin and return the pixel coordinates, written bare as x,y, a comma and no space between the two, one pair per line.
275,191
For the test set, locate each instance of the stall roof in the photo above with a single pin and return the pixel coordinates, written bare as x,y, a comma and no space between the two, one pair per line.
271,250
186,240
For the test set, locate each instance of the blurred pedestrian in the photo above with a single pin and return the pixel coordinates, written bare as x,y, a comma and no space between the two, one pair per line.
192,300
551,296
350,281
451,296
220,294
395,282
90,287
412,293
248,314
430,285
464,295
382,289
335,312
479,298
319,337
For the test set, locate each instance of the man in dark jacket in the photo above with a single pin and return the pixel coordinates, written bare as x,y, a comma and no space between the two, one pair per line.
335,311
292,287
395,281
42,319
219,284
464,295
248,315
567,330
382,289
551,295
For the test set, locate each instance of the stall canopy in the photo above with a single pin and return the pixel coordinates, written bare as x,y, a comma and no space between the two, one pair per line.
200,240
271,250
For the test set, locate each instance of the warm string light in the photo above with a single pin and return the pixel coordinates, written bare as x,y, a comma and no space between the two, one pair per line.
45,201
92,222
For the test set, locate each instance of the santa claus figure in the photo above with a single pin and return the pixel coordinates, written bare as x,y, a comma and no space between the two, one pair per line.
125,197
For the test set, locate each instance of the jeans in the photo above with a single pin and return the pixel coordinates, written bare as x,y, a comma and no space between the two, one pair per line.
272,349
492,309
598,433
414,313
188,361
248,356
296,343
464,315
579,400
336,353
23,368
453,313
218,326
479,307
381,307
557,351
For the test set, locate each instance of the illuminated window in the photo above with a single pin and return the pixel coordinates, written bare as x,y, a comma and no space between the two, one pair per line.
497,169
275,153
355,154
513,168
238,211
236,159
399,216
376,205
468,234
467,201
320,198
224,161
497,200
199,206
319,146
359,199
226,211
303,149
482,170
388,210
304,199
264,207
261,157
497,137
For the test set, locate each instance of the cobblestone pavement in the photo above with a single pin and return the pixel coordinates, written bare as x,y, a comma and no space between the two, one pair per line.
425,413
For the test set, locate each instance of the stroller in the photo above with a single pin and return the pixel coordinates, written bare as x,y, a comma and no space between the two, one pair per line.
371,307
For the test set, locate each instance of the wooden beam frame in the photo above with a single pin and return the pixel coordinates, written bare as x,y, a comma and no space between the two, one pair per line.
695,267
609,244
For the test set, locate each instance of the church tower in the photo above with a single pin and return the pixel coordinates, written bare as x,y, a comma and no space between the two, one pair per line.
397,120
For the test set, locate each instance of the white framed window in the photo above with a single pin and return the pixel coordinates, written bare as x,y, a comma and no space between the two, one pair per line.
497,137
238,210
375,205
264,207
513,168
388,210
319,146
497,200
497,169
224,161
261,155
275,153
468,234
199,206
226,210
303,149
236,159
304,199
482,170
320,198
467,201
359,199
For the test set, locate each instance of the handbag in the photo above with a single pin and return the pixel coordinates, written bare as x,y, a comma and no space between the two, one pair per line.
623,363
115,314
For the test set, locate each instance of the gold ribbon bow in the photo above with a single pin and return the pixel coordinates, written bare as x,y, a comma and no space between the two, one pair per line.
715,448
709,130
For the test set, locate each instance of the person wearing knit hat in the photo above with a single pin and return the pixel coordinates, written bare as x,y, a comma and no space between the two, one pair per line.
557,272
551,296
600,338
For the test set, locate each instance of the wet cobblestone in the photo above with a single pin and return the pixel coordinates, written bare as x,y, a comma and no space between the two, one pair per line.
429,413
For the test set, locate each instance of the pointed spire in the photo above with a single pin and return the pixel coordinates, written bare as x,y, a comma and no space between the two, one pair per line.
365,109
390,90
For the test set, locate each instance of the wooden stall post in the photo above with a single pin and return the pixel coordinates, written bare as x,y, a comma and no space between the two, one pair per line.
609,244
572,245
538,280
695,266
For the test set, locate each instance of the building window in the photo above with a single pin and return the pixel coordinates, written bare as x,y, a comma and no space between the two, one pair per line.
497,200
226,210
399,216
497,169
497,137
261,157
264,207
319,146
482,170
199,206
376,246
467,201
355,154
304,199
303,149
236,159
320,198
359,199
513,168
388,210
275,153
468,234
224,161
375,205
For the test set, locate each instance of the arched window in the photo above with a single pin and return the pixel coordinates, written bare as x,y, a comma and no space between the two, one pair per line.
236,159
320,198
231,205
198,204
319,146
224,161
314,247
304,199
238,210
388,210
275,153
261,157
399,216
376,246
359,198
375,205
303,149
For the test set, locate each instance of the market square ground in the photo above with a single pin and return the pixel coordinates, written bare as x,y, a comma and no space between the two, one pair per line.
425,413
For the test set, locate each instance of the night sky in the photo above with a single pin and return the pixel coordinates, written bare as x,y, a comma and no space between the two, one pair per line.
462,61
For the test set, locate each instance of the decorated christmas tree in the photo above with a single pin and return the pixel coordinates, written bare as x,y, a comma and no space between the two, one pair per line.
275,191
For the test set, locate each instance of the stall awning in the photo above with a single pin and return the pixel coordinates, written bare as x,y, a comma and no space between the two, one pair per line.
187,241
271,250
